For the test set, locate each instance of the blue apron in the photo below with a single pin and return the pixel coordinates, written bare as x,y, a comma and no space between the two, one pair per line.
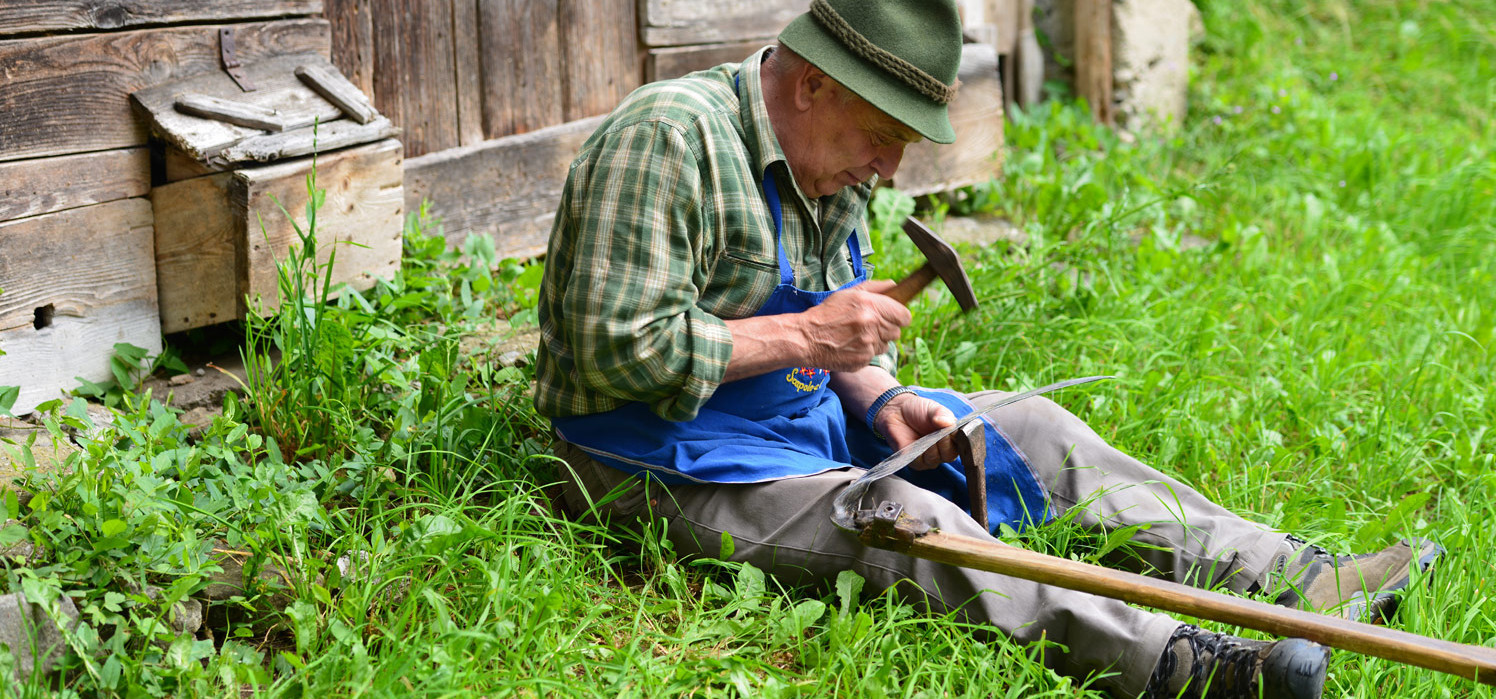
787,424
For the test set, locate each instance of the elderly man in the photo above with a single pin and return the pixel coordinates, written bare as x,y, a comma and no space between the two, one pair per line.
715,356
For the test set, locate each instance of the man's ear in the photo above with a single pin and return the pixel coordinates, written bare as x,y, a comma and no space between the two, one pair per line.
811,83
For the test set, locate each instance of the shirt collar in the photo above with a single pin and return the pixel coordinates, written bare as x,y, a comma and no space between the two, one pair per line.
763,147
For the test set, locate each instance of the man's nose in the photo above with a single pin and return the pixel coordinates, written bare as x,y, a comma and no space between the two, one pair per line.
887,160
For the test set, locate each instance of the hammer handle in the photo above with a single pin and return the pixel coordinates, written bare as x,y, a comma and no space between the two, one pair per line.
906,290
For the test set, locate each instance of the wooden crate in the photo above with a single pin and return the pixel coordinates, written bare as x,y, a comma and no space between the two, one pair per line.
219,237
75,283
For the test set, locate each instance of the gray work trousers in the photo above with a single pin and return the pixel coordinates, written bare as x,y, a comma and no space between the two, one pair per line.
784,528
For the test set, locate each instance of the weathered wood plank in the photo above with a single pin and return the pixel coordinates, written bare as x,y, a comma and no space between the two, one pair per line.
681,22
521,66
57,325
277,146
600,55
45,185
467,51
422,74
278,90
70,94
352,23
336,89
198,235
361,220
663,64
508,187
40,16
390,95
1093,56
977,115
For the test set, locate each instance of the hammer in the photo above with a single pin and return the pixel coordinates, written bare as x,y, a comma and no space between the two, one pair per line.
940,261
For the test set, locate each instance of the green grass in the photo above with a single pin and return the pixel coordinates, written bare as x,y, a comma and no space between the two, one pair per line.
1321,365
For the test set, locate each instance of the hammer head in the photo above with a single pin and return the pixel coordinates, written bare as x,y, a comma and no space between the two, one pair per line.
942,258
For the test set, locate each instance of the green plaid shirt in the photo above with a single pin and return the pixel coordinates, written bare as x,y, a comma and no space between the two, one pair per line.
663,232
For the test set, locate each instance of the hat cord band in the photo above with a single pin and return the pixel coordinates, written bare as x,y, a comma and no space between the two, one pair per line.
927,85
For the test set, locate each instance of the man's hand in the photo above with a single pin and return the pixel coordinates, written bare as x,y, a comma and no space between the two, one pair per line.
843,333
908,417
852,326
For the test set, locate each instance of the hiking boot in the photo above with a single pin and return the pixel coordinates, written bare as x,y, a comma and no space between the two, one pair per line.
1359,588
1200,664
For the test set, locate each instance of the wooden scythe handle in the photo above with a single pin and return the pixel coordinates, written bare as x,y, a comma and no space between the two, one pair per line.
1470,662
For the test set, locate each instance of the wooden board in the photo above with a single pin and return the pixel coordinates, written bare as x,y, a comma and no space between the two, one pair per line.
508,187
521,66
681,22
977,115
1093,56
93,267
600,61
414,80
352,24
276,87
364,207
45,185
674,62
467,49
44,16
197,258
70,94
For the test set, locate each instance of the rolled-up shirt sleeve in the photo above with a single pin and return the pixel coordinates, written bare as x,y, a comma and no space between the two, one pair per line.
630,312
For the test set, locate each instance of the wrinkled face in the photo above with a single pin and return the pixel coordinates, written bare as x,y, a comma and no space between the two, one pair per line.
850,140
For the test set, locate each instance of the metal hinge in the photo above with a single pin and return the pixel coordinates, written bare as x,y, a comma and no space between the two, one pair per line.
231,62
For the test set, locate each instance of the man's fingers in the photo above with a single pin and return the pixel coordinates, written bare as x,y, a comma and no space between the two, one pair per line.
877,286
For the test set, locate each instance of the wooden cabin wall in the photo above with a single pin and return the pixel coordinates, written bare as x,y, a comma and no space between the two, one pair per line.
459,72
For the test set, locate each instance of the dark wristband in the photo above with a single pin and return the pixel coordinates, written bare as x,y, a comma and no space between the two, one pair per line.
877,406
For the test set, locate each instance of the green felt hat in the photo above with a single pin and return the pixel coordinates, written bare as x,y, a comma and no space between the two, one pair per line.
900,55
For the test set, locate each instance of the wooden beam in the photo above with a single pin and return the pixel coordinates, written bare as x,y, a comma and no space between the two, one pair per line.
428,117
46,185
675,23
676,61
507,187
600,55
521,66
70,94
58,326
977,115
53,16
467,54
1093,56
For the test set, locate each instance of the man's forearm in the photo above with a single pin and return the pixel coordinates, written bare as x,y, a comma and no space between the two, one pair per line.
762,344
858,389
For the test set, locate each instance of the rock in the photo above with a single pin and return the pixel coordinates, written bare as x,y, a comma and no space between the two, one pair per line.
206,390
981,231
33,638
184,617
1150,62
25,551
199,419
230,582
48,453
501,343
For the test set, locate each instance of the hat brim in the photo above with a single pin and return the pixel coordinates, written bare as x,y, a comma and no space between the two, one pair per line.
895,97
